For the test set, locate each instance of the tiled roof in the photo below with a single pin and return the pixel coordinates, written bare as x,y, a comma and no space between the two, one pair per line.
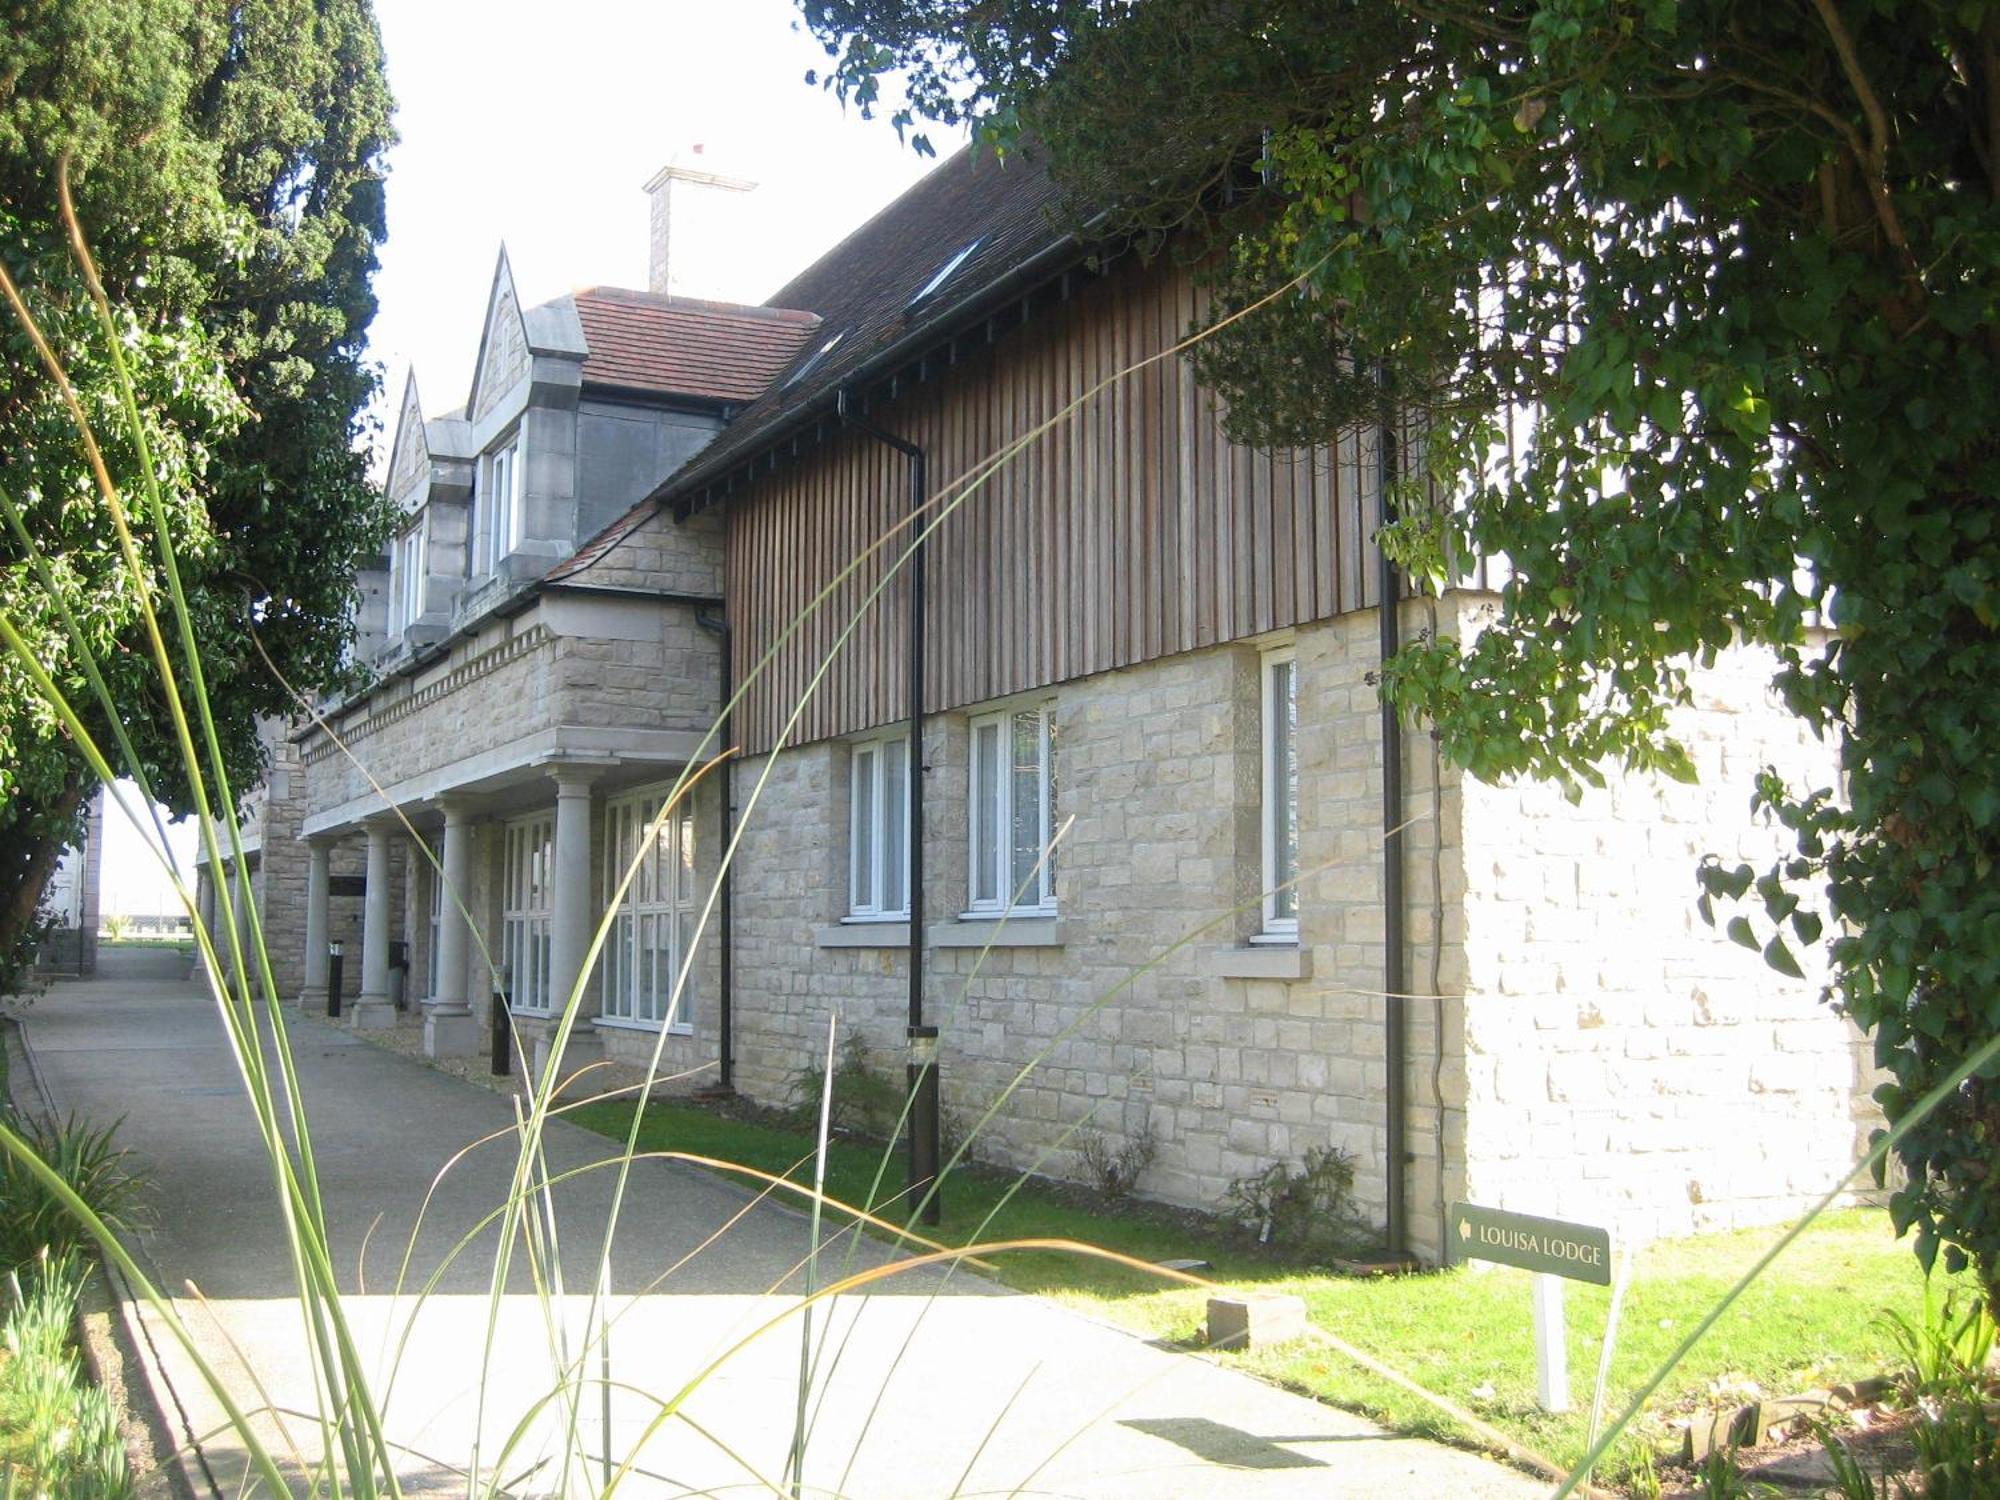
593,551
683,346
863,289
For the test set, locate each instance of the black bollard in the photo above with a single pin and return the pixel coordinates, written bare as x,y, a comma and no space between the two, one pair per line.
333,954
503,1044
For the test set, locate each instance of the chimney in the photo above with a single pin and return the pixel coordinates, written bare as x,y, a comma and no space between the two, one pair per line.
691,214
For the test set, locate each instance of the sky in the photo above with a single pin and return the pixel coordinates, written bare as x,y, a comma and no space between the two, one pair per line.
537,126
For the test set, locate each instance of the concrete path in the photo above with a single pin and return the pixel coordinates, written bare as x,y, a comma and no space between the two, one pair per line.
927,1387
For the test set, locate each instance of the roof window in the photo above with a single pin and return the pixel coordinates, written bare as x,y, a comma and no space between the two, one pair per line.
944,272
813,361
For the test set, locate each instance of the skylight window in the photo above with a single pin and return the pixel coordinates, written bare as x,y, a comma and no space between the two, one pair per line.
813,361
944,272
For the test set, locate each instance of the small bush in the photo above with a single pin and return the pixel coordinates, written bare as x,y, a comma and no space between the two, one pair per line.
58,1435
1115,1172
1945,1349
1308,1209
32,1219
867,1100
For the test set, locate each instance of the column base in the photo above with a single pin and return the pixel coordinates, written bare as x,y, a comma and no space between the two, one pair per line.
585,1047
371,1013
450,1033
313,1001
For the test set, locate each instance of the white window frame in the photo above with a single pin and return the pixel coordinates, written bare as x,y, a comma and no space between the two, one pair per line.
499,498
409,562
436,878
991,862
659,915
1278,800
872,853
527,908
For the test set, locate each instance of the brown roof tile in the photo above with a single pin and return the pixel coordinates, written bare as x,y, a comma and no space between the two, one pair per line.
682,346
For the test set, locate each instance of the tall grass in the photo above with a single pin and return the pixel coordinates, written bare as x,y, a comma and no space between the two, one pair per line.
354,1456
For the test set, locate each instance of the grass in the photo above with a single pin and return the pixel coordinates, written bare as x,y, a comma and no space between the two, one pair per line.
1813,1321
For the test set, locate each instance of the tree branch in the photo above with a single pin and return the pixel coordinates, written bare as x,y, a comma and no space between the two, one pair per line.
1875,161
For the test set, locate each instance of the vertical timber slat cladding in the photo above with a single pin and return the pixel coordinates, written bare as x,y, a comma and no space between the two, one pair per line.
1133,529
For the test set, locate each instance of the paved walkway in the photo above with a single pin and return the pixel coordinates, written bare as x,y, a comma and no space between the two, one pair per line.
931,1386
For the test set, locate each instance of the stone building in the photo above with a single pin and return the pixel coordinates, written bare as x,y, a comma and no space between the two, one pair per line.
1139,840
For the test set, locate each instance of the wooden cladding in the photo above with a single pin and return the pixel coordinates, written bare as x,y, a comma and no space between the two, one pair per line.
1130,529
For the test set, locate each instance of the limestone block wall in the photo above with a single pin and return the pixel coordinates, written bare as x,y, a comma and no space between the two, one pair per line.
1126,1019
568,661
282,862
684,557
1626,1064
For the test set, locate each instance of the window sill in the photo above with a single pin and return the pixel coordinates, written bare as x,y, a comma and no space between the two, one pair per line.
1268,960
863,933
651,1028
982,931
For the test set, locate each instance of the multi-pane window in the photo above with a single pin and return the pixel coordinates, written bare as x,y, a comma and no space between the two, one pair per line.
653,932
407,564
436,878
879,836
499,503
526,905
1014,810
1281,794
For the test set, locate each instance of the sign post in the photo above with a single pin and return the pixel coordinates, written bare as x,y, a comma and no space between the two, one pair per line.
1555,1252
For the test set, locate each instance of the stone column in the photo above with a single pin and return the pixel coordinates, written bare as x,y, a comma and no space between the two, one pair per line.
372,1010
569,921
204,913
319,894
449,1027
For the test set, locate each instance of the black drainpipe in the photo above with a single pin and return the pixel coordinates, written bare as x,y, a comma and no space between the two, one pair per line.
726,830
1395,1019
922,1072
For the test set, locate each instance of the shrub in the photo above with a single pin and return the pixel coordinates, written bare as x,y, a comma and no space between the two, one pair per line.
85,1157
58,1436
1115,1172
1308,1209
867,1100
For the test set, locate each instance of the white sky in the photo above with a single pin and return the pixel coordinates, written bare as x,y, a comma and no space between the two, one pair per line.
538,125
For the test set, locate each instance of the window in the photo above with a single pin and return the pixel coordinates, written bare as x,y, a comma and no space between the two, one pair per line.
407,564
524,915
944,272
652,934
500,500
1014,810
813,361
1280,815
879,837
437,926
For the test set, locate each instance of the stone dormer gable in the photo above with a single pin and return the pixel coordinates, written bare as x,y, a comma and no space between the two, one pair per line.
409,455
503,344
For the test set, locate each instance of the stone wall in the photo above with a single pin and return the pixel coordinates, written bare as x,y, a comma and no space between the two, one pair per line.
1627,1064
1142,1009
1615,1061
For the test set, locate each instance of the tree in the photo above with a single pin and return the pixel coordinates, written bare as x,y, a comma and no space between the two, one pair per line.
226,162
1734,268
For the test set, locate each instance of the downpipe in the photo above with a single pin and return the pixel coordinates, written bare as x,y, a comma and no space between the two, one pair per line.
1395,1010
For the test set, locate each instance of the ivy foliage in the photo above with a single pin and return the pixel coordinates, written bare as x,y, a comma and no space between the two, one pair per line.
1695,306
226,164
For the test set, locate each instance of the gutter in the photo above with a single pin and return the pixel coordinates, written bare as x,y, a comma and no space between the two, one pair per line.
926,1145
1395,1016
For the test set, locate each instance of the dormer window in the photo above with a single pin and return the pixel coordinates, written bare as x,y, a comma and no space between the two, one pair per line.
408,563
500,506
944,273
813,361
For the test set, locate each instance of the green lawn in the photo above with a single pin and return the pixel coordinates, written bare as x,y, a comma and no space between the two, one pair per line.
1811,1321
